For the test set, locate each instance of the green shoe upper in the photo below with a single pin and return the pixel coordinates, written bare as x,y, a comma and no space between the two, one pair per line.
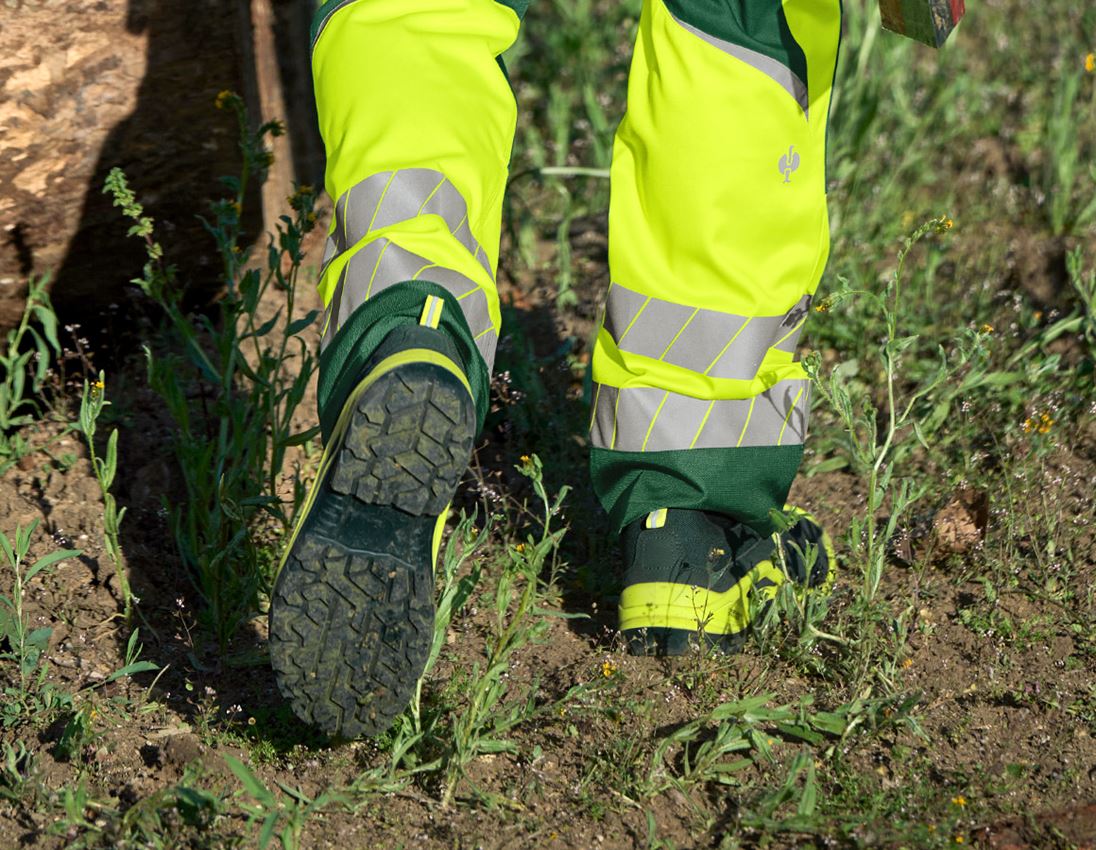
713,551
691,575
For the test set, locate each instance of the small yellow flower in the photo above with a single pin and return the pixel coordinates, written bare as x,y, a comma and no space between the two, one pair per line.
907,663
525,458
251,721
1090,62
959,800
1041,423
1037,315
223,96
822,307
563,711
608,668
986,328
519,547
99,385
948,223
959,839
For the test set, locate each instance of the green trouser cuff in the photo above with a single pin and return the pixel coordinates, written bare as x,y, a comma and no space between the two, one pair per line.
746,483
330,7
343,361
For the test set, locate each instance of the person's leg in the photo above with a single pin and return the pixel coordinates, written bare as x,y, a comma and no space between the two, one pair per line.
418,120
718,238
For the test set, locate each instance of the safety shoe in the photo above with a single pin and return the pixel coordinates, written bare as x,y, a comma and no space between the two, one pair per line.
689,576
352,612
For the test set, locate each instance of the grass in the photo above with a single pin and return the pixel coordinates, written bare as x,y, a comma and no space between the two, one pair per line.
945,363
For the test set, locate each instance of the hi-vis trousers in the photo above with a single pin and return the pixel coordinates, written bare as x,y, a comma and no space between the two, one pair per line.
718,231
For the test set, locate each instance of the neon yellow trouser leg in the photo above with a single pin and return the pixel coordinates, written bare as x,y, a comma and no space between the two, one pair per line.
718,235
418,119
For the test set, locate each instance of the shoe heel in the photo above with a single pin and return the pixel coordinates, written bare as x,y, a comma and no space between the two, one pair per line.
409,441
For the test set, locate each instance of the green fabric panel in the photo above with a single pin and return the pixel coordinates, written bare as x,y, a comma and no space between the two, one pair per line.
759,25
325,11
745,483
519,6
343,361
328,8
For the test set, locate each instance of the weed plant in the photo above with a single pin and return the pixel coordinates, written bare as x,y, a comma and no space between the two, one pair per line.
92,402
231,441
282,815
877,442
19,404
27,696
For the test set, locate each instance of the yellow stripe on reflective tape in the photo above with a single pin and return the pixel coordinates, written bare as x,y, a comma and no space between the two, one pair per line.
380,201
654,419
431,311
746,424
791,410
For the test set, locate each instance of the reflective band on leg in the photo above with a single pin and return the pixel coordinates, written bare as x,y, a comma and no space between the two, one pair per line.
382,263
709,342
389,198
638,419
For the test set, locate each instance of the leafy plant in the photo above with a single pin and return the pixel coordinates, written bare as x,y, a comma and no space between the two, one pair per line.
26,696
278,815
92,403
231,395
38,324
877,441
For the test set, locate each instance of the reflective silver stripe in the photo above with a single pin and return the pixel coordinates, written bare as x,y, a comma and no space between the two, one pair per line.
389,197
779,73
382,200
381,264
646,419
721,345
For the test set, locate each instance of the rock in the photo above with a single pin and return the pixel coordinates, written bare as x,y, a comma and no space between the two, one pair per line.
960,525
181,749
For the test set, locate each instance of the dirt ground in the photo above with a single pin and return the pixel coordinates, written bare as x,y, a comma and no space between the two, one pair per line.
998,709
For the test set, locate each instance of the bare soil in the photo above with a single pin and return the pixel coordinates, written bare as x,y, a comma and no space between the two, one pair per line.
1007,716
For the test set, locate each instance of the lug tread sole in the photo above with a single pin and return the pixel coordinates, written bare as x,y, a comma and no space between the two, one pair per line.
352,613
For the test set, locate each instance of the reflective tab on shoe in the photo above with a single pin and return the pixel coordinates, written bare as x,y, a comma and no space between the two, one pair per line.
656,519
431,311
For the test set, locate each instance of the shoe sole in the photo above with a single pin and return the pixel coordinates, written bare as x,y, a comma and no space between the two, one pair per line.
352,611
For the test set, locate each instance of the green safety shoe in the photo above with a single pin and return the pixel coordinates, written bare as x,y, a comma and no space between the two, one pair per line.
689,575
352,612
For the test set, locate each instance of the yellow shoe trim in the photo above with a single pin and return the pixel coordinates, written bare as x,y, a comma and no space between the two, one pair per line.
656,519
402,358
663,604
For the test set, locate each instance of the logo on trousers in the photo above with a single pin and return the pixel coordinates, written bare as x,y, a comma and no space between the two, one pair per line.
789,162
